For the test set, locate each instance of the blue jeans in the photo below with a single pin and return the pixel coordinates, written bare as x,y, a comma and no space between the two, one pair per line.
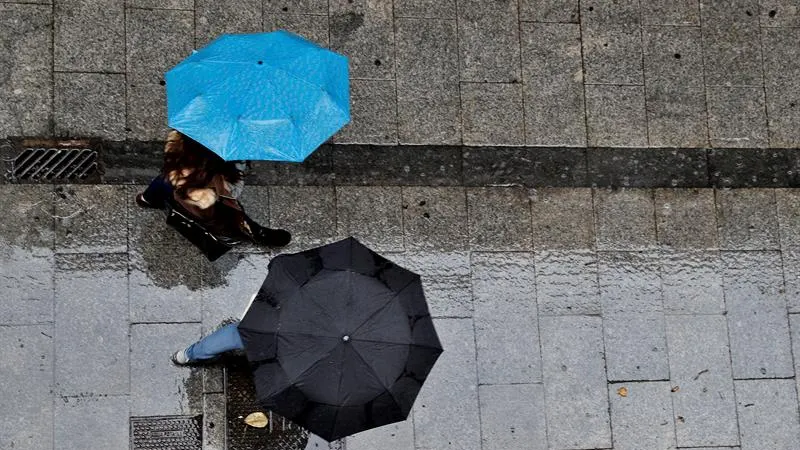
158,192
223,340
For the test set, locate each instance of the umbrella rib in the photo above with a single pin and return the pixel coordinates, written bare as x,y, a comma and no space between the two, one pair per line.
394,297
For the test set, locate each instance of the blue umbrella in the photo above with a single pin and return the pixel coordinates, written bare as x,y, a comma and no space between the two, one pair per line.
264,96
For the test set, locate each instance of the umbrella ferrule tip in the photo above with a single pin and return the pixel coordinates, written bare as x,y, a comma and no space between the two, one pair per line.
346,338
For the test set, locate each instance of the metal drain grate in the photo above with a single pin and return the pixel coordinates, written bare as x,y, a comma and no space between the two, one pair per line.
50,160
167,433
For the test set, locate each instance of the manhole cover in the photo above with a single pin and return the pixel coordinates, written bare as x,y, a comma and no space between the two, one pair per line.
167,433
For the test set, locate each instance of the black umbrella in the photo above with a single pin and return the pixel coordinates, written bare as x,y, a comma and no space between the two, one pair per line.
340,338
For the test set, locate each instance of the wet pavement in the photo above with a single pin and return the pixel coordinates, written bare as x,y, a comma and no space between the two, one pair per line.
572,318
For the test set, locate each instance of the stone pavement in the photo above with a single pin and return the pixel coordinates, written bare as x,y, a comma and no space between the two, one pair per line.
629,73
572,318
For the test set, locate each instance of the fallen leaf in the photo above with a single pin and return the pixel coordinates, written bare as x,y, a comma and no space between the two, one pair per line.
675,388
623,392
256,419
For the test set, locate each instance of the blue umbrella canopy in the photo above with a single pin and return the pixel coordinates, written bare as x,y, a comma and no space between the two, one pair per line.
264,96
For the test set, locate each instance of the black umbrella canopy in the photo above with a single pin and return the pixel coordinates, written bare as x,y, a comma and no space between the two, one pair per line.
340,338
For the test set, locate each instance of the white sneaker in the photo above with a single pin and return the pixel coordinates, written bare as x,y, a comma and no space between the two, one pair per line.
180,358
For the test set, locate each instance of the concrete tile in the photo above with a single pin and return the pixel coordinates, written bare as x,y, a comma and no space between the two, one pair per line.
89,37
612,54
398,436
624,219
492,113
671,12
552,71
704,403
91,324
435,218
747,219
643,418
791,275
737,117
783,115
228,287
499,219
734,58
757,317
147,112
403,165
213,18
573,365
428,115
511,417
26,80
767,414
439,9
779,13
91,423
673,56
604,13
28,223
374,215
750,167
177,390
164,285
154,4
533,167
676,117
26,417
255,200
780,55
91,219
90,105
445,279
692,282
506,319
156,41
297,6
630,282
313,27
214,421
446,411
782,89
788,207
488,41
373,112
308,212
566,282
794,329
616,116
636,346
549,11
363,31
562,219
647,167
685,218
213,380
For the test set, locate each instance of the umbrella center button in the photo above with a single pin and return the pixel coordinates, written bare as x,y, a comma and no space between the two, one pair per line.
346,338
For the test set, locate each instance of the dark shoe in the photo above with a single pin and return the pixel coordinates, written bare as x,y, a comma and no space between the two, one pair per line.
272,237
144,203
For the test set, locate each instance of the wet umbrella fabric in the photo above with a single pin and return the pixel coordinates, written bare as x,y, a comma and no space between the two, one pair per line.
264,96
340,338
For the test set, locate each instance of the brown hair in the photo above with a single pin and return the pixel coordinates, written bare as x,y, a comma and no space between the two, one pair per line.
204,165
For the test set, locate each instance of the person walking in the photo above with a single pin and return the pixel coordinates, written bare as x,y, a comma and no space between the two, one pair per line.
207,349
206,187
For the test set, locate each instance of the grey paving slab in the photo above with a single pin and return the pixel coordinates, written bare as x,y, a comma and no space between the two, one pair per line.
692,282
373,109
213,380
788,206
88,37
782,89
297,6
308,212
491,113
488,41
26,417
363,31
636,346
747,219
737,117
549,11
671,12
148,231
685,218
26,81
435,218
552,72
757,317
213,18
311,26
214,430
642,418
566,282
767,414
91,324
648,167
630,282
506,318
499,219
600,12
230,285
374,215
783,115
398,436
156,40
612,54
150,350
168,4
704,400
512,417
533,167
445,279
89,105
676,117
446,411
624,219
573,366
780,55
428,103
402,165
91,423
794,329
791,275
779,13
562,218
616,116
91,219
255,200
731,43
164,285
441,9
146,118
